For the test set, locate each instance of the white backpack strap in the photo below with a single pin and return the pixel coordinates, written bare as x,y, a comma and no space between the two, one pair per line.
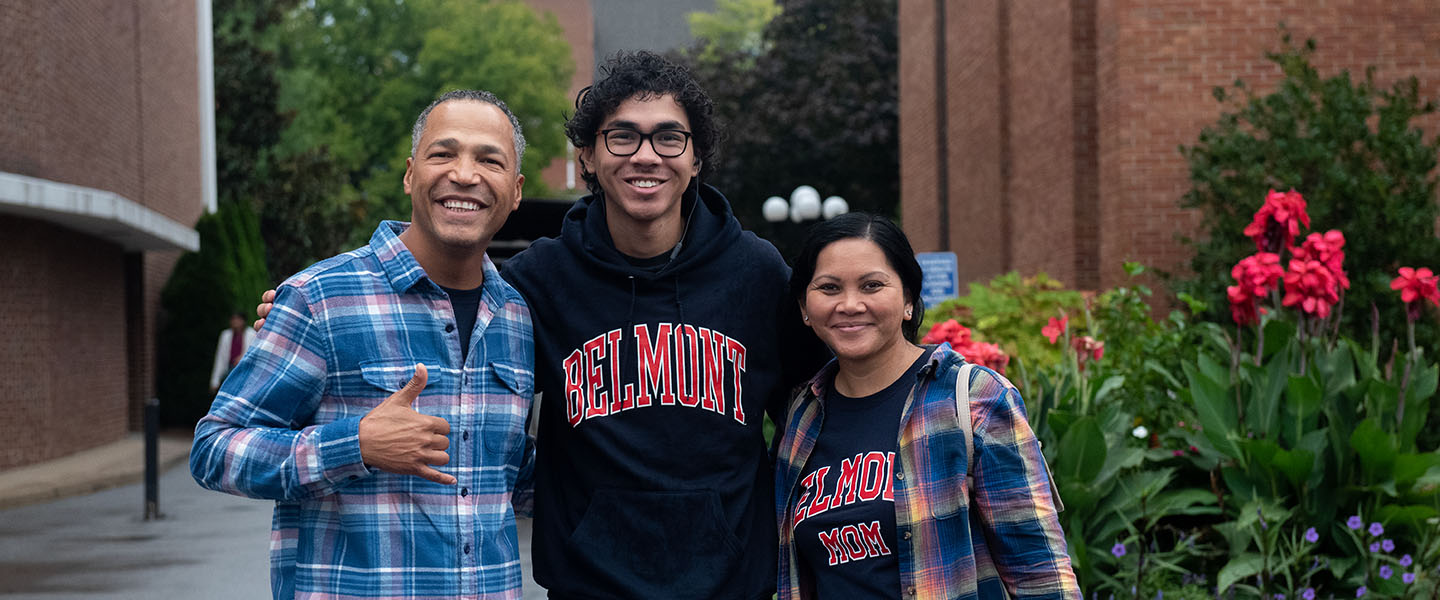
962,410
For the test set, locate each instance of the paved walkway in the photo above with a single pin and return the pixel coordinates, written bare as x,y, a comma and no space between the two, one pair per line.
61,539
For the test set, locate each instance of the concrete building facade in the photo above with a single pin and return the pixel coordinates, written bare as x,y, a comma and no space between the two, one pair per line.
1043,136
104,143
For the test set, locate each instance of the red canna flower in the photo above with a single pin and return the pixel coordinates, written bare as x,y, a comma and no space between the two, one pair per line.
1255,277
1243,307
1088,349
1416,284
1328,249
1056,328
1259,273
946,332
1278,221
984,354
960,340
1310,285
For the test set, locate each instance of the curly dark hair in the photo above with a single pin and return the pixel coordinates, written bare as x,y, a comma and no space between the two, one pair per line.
643,75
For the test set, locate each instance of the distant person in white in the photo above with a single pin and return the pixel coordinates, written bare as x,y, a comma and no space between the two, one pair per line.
230,348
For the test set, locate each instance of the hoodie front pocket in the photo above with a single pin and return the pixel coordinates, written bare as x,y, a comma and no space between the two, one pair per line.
672,544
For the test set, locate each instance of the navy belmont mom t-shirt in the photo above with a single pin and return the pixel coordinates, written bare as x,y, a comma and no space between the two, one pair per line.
845,517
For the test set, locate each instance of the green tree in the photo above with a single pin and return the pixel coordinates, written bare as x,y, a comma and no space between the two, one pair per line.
1351,149
735,30
305,205
226,275
819,108
356,72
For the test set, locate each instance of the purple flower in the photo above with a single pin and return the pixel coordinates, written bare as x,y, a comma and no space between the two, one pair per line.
1386,571
1375,547
1308,594
1311,535
1360,592
1376,529
1387,545
1355,522
1118,549
1405,561
1408,578
1279,596
1263,524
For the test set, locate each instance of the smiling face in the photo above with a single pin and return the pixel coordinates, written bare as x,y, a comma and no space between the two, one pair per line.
463,180
856,302
643,187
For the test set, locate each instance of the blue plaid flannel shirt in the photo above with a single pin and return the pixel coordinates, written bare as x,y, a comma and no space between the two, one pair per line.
343,335
1007,542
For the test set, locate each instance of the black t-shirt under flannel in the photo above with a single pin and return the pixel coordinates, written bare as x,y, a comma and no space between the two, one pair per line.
845,518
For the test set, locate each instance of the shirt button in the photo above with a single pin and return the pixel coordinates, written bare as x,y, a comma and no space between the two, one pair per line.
465,435
907,535
449,327
910,591
467,551
900,475
464,492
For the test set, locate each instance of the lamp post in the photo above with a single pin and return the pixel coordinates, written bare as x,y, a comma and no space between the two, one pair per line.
804,205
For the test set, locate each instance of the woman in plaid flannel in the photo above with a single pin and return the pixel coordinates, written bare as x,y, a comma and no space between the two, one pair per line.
883,488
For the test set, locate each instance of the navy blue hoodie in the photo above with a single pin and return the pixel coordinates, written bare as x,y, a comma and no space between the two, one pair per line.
652,478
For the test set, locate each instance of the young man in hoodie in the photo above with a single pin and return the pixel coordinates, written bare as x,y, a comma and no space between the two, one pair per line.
659,324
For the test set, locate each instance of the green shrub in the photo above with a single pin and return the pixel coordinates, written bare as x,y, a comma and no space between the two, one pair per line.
1353,150
226,275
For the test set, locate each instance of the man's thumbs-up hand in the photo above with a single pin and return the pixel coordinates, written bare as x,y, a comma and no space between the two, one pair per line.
396,439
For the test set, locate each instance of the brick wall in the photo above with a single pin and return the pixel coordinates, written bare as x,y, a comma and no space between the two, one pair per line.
102,95
1159,62
1065,117
63,354
576,18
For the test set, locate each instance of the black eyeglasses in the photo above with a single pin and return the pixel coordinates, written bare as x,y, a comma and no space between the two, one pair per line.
668,143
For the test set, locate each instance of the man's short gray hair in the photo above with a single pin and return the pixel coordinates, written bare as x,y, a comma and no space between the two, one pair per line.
474,96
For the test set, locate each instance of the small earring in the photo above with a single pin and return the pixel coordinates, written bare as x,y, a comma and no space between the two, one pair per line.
805,318
907,313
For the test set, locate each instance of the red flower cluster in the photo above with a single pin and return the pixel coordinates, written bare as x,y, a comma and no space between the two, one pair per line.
1255,276
1088,349
1416,284
1278,221
1317,269
1055,328
1326,248
959,338
1311,285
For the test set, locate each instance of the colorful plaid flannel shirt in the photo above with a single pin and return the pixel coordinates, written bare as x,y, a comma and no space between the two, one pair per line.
343,335
1011,541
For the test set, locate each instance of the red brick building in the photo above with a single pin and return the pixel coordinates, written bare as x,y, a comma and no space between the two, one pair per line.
106,162
1043,136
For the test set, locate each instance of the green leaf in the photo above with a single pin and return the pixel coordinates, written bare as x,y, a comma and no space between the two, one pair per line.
1296,465
1082,452
1212,369
1410,467
1111,384
1377,449
1118,459
1240,567
1304,396
1155,367
1216,410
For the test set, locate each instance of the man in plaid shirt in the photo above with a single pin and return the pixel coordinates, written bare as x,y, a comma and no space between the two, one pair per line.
383,488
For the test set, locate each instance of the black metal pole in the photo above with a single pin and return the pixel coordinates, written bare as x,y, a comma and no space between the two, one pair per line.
152,459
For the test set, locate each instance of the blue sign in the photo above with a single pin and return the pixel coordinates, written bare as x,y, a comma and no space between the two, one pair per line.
941,279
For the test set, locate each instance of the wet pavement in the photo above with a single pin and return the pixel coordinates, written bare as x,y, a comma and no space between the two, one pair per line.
207,545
